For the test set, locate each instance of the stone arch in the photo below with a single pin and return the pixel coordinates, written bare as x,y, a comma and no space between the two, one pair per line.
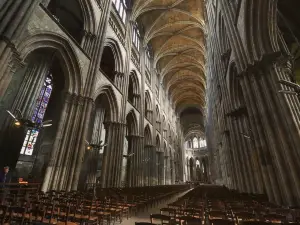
148,105
134,91
157,142
132,123
89,17
42,55
260,20
108,93
65,51
147,135
158,122
112,61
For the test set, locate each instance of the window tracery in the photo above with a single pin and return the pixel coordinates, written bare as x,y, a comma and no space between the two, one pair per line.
121,8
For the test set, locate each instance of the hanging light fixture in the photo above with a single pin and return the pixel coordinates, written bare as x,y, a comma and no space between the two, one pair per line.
94,146
20,121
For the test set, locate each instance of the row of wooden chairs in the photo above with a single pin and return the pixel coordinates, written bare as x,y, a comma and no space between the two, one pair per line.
60,207
215,205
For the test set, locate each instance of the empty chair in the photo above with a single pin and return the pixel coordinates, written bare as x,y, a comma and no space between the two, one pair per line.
160,219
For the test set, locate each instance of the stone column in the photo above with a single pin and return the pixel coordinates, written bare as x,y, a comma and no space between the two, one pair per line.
14,17
113,152
134,172
92,159
63,169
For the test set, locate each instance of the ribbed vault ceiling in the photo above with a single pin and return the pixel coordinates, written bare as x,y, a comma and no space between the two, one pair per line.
174,29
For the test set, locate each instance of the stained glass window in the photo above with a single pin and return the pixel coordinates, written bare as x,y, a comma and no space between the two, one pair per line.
38,115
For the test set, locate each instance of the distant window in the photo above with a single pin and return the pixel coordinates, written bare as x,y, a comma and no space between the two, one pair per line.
195,143
202,143
121,8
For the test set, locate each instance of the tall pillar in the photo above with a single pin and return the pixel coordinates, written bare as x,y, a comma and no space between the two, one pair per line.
134,171
14,17
113,152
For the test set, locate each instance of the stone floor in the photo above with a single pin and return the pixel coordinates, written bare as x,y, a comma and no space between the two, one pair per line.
145,216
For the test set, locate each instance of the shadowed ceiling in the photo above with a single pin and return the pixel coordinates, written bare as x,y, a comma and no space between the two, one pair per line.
174,29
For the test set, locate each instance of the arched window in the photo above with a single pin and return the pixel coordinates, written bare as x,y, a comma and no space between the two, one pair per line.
38,116
195,143
121,8
136,36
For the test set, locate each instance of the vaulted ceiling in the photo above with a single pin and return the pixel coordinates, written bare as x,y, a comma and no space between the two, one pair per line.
175,30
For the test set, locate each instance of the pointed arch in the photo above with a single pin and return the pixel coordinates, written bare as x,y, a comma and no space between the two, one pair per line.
132,123
112,61
148,105
134,91
65,53
107,94
147,135
157,143
158,122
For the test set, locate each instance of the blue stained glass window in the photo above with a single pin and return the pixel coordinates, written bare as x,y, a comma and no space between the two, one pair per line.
38,116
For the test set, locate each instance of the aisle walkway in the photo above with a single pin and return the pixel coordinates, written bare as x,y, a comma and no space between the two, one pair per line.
145,216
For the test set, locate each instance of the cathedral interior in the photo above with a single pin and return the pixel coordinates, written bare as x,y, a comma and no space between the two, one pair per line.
131,111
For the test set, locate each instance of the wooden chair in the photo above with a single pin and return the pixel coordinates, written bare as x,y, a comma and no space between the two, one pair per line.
162,219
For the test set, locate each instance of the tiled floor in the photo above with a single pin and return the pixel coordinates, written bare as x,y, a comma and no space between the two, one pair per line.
145,216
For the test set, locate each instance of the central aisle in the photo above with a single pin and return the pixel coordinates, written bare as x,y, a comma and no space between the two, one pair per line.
145,216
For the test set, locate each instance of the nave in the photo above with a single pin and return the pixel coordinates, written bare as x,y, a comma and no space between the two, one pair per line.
174,204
